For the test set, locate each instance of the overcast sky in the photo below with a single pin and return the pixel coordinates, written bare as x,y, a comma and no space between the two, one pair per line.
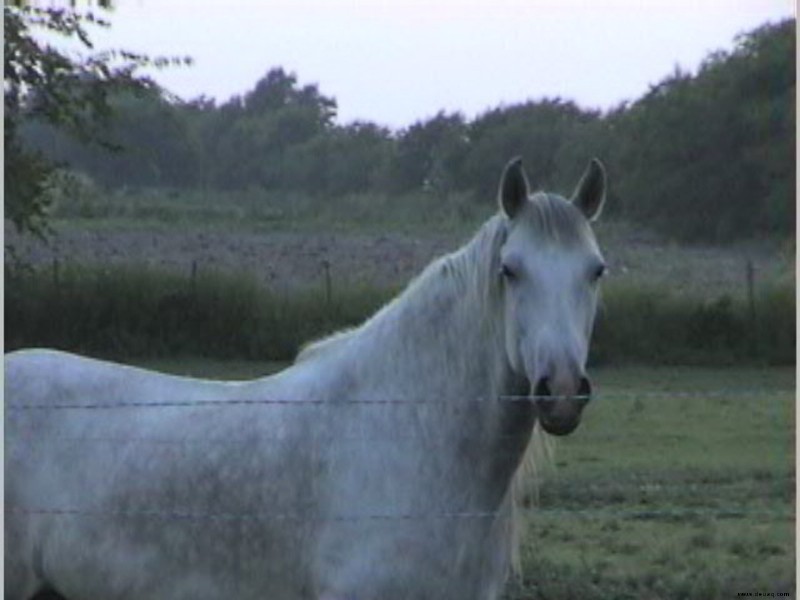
394,62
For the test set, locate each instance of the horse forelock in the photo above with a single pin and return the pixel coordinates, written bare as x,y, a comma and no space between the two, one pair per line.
556,221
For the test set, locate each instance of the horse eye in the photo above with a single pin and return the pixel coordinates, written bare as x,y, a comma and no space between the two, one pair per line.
506,272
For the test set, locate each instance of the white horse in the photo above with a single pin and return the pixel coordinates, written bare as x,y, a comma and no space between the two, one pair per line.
379,466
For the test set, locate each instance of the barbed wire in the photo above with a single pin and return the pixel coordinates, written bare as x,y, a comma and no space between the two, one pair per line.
250,440
263,402
177,515
382,437
226,516
200,516
231,402
713,393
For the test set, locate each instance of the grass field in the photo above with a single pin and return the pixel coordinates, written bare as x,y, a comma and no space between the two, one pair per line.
669,489
665,496
657,496
374,239
257,210
130,310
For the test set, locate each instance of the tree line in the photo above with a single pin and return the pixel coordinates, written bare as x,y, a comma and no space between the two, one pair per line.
708,156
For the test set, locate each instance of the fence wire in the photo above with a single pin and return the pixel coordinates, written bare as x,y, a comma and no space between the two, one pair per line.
230,517
233,402
178,515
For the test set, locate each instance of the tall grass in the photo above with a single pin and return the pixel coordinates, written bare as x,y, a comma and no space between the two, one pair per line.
139,312
646,325
258,208
128,312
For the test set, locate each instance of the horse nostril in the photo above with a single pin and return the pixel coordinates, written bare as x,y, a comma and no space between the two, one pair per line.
542,388
585,390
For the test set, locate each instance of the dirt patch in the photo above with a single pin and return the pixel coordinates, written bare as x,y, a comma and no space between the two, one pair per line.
288,260
282,260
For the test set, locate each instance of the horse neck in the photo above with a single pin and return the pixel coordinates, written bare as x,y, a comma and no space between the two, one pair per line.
445,331
443,341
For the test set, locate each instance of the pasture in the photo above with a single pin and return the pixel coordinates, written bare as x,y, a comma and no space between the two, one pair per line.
445,361
129,311
373,240
657,495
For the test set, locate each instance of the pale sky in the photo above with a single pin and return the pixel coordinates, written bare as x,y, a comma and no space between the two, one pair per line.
394,62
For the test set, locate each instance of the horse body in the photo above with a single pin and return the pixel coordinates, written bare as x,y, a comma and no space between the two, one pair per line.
334,463
113,466
378,466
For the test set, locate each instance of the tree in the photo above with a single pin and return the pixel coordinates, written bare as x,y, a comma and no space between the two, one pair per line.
534,130
710,157
43,83
342,160
429,154
249,138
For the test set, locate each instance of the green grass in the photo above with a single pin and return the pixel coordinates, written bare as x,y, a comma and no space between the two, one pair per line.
258,210
637,256
650,325
131,311
663,496
657,495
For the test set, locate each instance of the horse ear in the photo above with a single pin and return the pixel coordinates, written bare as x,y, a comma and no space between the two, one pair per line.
590,194
514,188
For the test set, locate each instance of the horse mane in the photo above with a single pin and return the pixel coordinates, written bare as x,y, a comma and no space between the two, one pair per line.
450,275
470,272
552,218
557,221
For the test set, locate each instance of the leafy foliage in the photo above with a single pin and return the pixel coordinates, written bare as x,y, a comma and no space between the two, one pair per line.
706,157
711,157
71,94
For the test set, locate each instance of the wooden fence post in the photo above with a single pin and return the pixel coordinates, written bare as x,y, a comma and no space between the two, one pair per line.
193,279
750,276
326,264
56,274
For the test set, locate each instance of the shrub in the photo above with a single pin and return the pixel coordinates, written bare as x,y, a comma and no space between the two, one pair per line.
652,326
138,312
124,312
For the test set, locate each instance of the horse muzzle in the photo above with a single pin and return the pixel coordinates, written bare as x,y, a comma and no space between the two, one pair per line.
560,415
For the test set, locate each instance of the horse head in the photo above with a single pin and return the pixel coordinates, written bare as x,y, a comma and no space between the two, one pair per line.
550,269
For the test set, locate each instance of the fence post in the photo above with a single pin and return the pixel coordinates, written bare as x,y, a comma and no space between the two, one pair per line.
326,265
193,279
750,276
56,274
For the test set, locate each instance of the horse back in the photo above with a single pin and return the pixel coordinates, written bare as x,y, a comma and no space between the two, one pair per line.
49,377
